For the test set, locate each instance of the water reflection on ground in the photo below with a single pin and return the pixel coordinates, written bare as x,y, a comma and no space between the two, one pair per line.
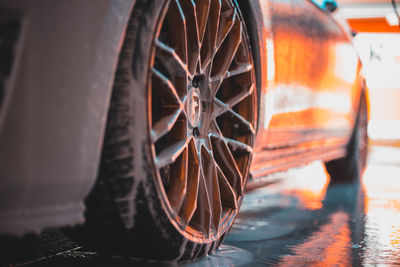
303,220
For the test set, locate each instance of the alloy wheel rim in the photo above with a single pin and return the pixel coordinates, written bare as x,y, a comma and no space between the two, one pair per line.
202,113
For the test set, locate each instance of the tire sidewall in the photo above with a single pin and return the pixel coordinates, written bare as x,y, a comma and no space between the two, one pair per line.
149,188
144,169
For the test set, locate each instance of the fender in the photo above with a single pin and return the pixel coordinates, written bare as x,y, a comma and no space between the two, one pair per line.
53,127
259,26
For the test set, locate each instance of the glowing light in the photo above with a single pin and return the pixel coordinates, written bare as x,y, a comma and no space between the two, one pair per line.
380,55
346,69
309,188
270,60
382,205
384,129
392,19
293,98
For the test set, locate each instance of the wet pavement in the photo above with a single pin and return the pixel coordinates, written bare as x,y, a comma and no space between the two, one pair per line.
303,220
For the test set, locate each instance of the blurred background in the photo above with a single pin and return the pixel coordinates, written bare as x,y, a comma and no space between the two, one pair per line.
378,44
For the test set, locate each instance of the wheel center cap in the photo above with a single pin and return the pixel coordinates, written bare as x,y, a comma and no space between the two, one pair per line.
193,107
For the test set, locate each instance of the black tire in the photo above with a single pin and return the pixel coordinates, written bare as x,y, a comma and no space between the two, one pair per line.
130,211
351,167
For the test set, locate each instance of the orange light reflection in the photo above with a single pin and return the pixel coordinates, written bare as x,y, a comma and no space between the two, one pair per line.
372,226
309,194
328,246
382,206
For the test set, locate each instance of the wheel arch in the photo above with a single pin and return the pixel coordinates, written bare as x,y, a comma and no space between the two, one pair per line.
251,12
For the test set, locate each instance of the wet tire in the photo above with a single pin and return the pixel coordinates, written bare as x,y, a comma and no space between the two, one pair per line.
351,167
179,134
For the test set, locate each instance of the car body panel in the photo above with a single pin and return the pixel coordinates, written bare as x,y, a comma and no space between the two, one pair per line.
53,126
312,97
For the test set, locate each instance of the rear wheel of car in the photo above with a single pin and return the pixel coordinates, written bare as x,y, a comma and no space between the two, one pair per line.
179,135
351,167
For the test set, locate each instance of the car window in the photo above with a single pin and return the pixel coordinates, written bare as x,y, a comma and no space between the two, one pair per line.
326,5
319,3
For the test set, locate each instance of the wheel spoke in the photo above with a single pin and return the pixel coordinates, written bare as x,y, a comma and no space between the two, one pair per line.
170,154
228,195
220,107
164,125
217,204
203,214
208,46
211,180
239,149
235,89
165,83
215,131
214,86
226,22
193,43
178,185
227,164
202,11
177,35
227,51
240,97
240,69
237,70
244,122
170,59
193,175
237,145
165,99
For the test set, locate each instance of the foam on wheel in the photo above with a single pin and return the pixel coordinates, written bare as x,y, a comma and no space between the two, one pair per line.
179,135
202,113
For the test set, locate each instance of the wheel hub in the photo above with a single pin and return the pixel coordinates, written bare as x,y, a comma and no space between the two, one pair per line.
194,107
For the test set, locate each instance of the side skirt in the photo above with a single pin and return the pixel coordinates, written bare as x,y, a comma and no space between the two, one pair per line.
270,161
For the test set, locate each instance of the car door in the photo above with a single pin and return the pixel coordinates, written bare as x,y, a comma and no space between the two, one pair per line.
315,68
309,103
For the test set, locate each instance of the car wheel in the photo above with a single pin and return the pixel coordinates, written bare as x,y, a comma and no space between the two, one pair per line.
351,167
179,135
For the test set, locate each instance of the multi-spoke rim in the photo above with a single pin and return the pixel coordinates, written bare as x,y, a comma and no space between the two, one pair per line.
202,112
